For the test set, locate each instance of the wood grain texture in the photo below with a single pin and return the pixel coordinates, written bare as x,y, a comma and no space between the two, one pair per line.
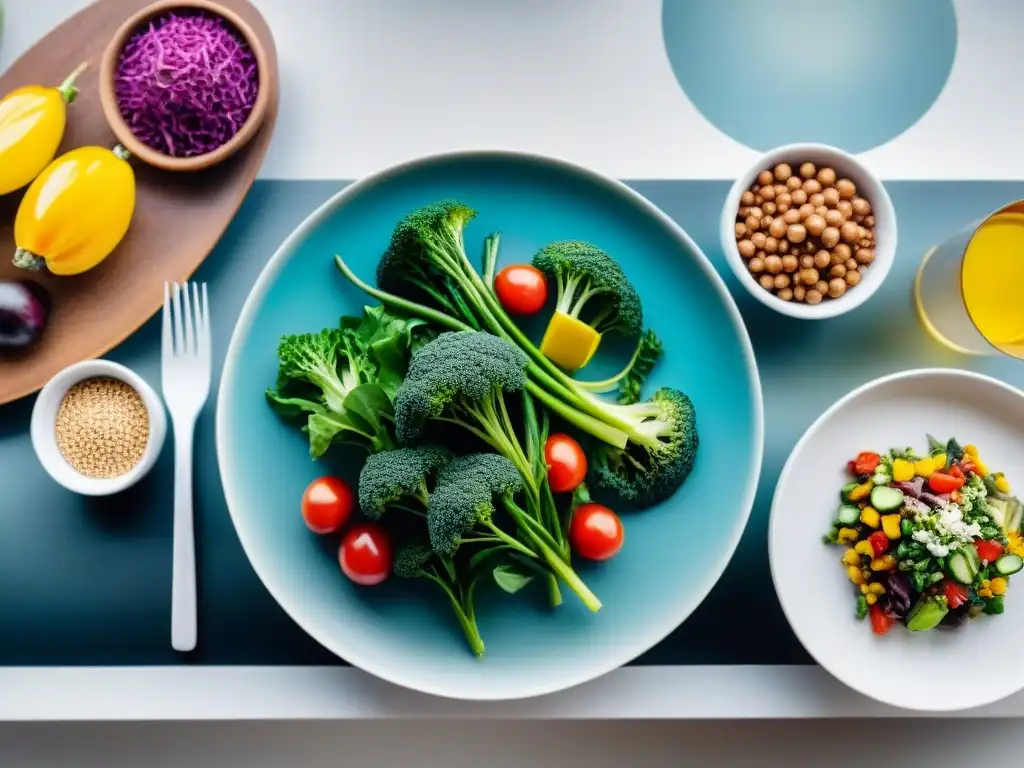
179,217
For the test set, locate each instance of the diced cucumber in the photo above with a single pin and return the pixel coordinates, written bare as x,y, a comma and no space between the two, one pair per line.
846,490
847,514
1007,565
997,511
886,499
1014,515
961,568
972,557
881,478
927,614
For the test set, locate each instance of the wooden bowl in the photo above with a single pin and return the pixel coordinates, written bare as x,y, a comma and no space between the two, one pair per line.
121,129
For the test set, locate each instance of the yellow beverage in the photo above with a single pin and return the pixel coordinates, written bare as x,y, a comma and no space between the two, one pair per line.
992,280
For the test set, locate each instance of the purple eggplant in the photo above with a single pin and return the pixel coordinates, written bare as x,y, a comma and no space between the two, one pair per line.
934,500
898,595
24,313
912,489
916,505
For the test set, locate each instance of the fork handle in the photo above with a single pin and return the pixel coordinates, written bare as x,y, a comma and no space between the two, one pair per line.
183,578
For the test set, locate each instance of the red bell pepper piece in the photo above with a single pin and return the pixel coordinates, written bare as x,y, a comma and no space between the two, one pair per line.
879,543
989,551
881,622
940,482
956,594
866,462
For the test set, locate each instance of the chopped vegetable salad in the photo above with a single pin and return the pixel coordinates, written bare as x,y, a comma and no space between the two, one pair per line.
929,540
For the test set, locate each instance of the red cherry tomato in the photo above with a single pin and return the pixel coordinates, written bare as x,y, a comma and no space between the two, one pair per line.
365,554
881,622
566,461
955,471
327,504
989,551
521,289
940,482
956,594
596,532
879,543
866,462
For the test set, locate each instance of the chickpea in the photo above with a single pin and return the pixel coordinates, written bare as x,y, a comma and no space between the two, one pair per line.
793,183
799,197
852,277
781,281
857,219
743,212
807,170
773,264
811,186
869,220
831,195
766,221
790,263
834,218
864,256
771,245
764,178
821,287
806,210
758,239
768,207
822,259
753,223
792,216
806,261
755,210
809,276
767,192
756,265
779,188
836,287
829,237
865,243
815,224
796,233
785,294
813,297
778,227
847,189
826,177
783,246
844,250
758,199
783,171
760,255
783,198
837,258
746,248
741,229
851,264
845,207
849,232
767,282
782,207
821,210
838,270
799,292
817,199
747,198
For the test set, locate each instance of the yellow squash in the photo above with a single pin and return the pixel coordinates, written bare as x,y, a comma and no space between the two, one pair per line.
568,342
32,121
76,211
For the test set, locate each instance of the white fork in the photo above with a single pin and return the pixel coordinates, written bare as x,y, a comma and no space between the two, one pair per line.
185,363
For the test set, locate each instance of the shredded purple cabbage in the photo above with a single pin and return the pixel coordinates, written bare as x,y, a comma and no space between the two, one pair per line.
186,84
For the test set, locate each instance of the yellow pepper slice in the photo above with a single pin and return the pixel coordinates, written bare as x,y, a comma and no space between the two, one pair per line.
902,470
569,342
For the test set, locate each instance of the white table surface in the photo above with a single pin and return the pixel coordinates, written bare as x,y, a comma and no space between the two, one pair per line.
359,62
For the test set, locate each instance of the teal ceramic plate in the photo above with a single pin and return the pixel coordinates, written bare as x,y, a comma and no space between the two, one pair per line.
673,554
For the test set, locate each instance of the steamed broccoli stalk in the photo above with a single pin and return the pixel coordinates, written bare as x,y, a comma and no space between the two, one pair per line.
630,380
438,237
464,502
400,479
416,560
588,278
317,375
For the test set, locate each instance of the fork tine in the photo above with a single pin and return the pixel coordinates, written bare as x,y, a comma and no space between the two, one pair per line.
200,319
188,321
207,344
178,334
168,350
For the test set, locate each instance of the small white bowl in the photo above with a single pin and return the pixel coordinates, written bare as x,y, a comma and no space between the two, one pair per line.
868,187
924,671
44,435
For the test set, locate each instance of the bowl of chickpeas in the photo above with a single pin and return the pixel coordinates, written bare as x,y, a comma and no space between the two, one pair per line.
809,231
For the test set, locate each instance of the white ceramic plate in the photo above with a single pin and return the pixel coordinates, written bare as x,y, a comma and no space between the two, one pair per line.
941,670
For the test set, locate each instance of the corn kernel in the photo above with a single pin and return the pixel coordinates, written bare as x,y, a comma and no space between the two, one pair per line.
864,589
872,599
870,517
861,491
855,575
971,450
980,466
864,548
876,589
998,586
986,583
891,526
985,593
847,535
883,563
850,557
1002,484
902,470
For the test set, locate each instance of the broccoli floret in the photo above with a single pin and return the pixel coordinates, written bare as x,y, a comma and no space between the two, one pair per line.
394,476
645,473
587,277
416,560
464,498
630,380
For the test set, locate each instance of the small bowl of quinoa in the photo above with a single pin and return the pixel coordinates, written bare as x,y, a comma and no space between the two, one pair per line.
809,231
98,427
184,84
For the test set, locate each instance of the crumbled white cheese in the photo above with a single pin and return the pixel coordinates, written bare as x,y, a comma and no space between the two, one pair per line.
931,542
945,530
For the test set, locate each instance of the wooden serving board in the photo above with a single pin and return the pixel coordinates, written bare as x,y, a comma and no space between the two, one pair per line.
179,217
